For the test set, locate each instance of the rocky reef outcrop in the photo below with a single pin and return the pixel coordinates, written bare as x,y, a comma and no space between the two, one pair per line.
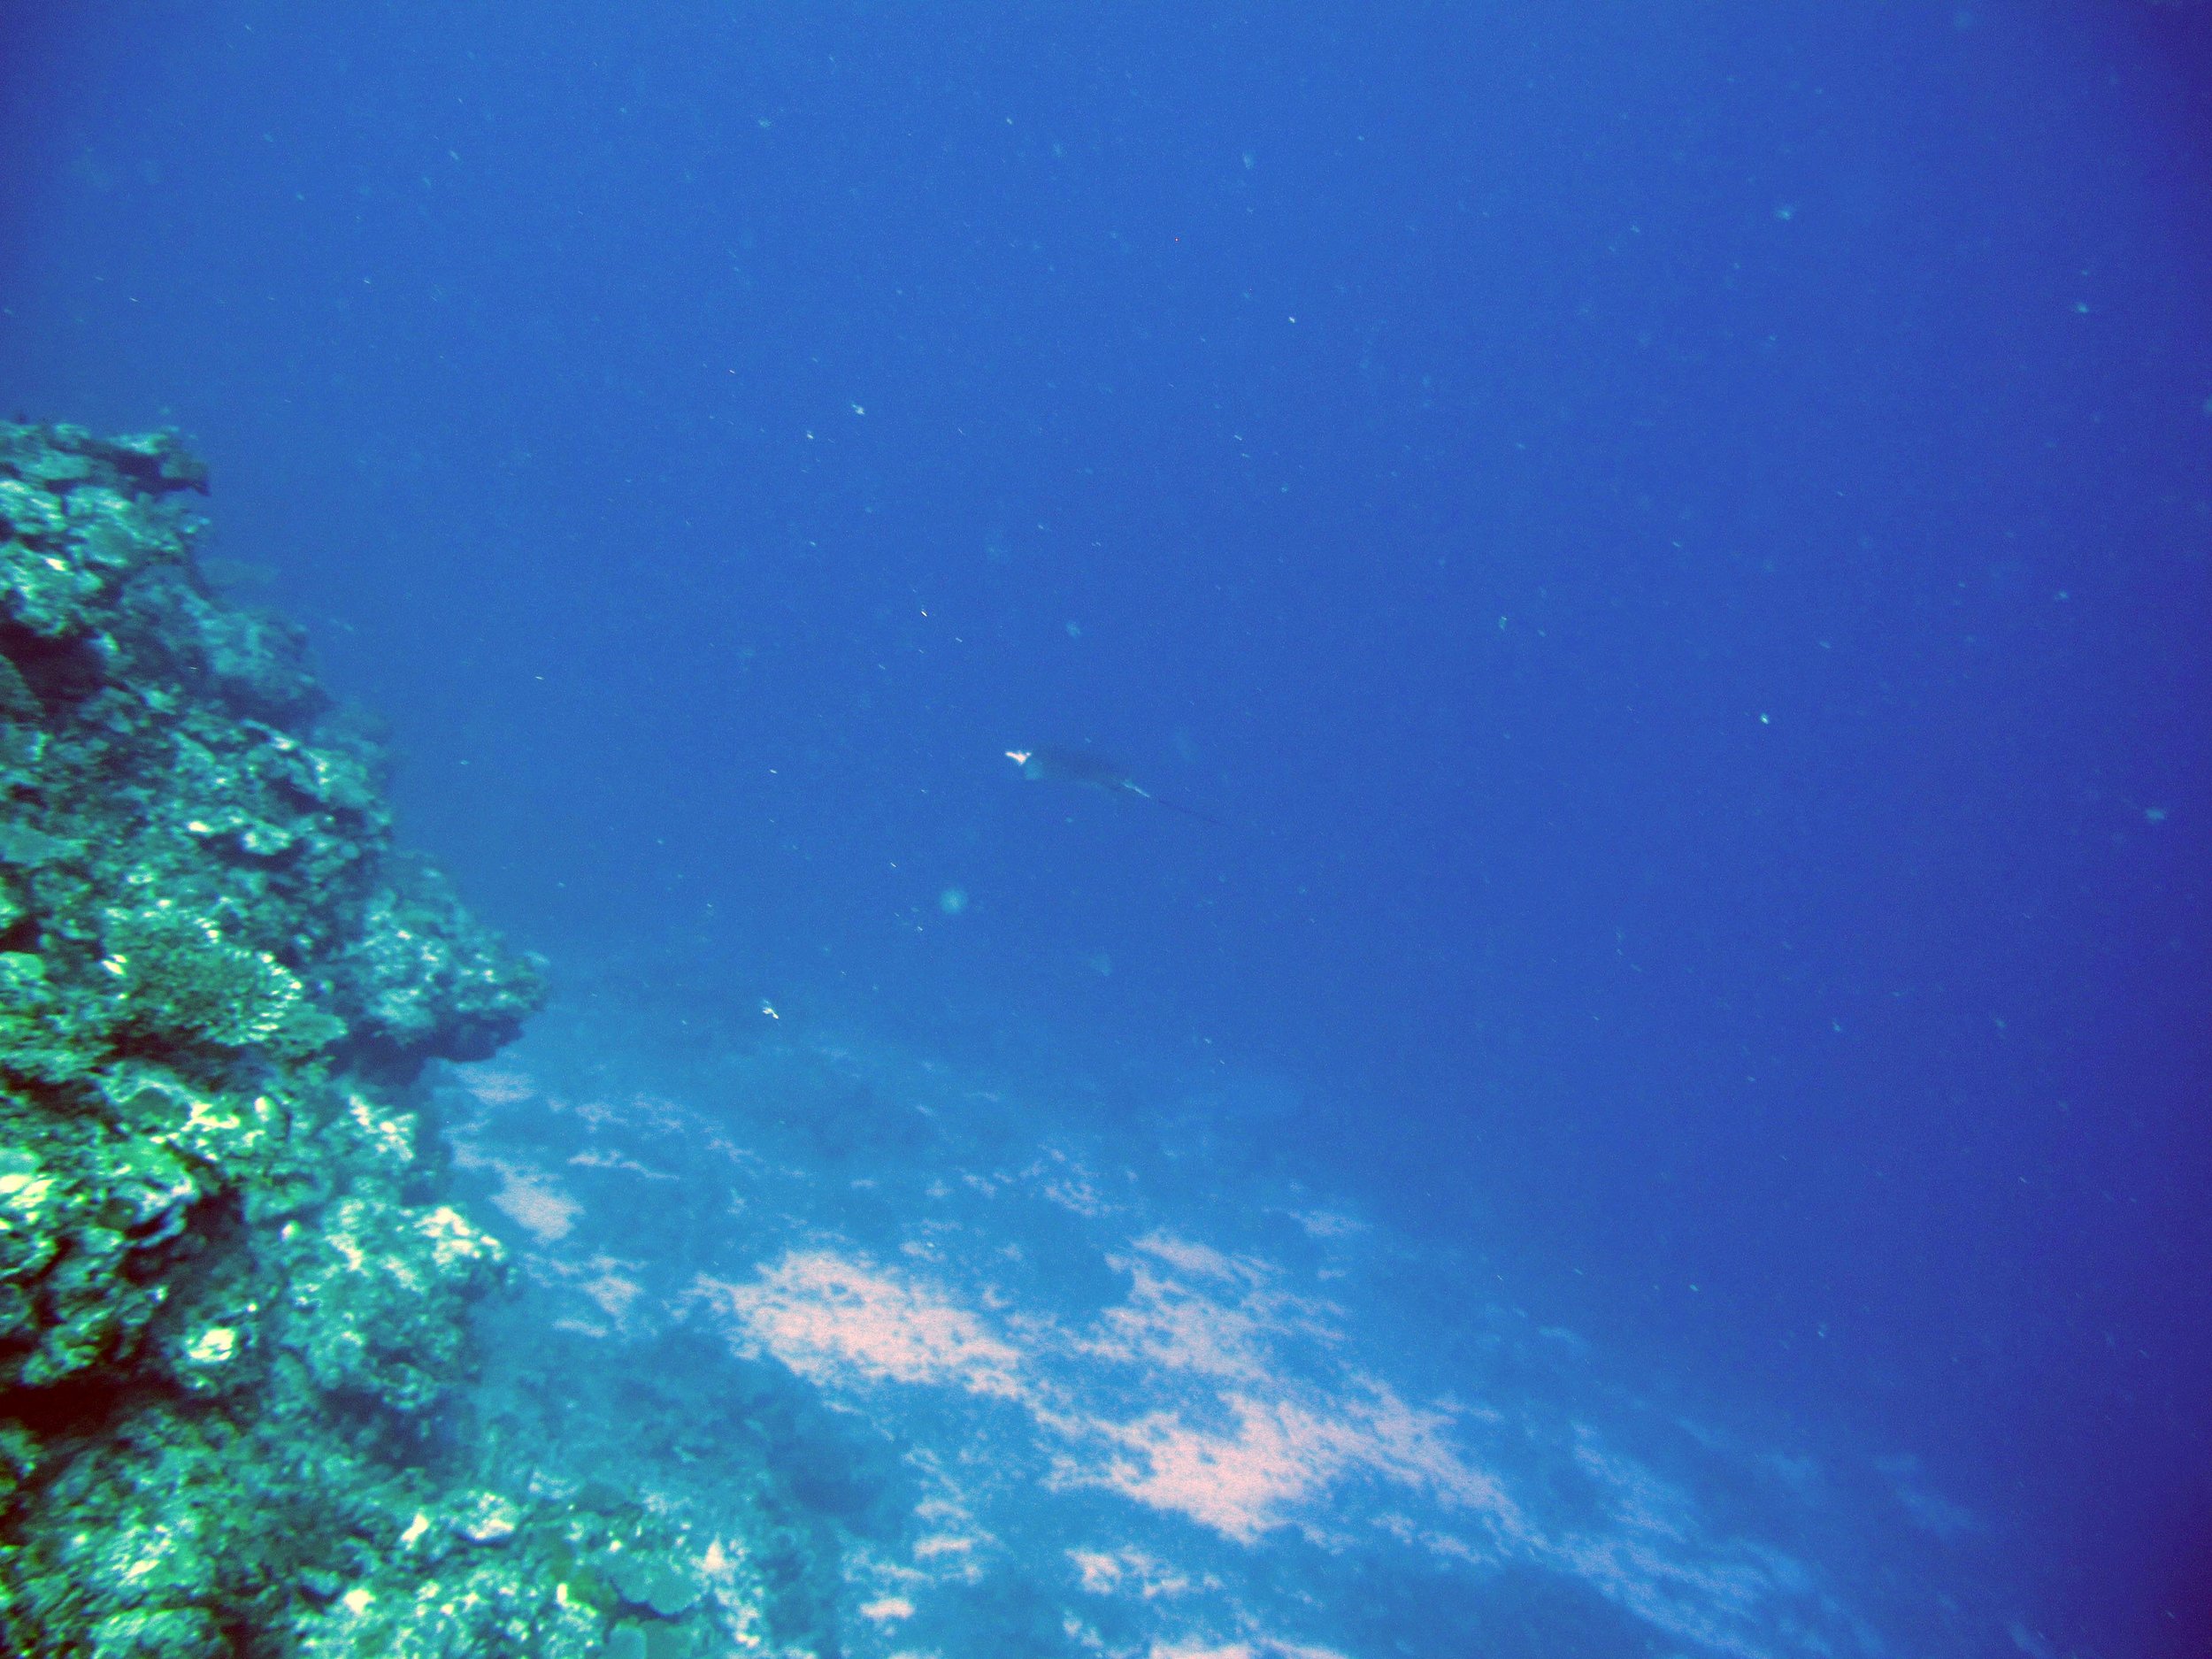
233,1307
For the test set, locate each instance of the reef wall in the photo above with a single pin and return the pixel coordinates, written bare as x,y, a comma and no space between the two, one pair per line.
233,1312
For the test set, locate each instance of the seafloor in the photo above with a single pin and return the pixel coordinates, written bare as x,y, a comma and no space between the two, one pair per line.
326,1328
1069,1366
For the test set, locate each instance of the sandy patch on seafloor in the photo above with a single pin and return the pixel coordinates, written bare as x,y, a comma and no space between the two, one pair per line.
530,1197
834,1318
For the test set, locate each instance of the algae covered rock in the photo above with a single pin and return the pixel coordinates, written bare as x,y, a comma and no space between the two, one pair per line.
78,515
422,978
664,1585
376,1298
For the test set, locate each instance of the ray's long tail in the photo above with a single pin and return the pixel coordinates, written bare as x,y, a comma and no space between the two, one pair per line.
1174,806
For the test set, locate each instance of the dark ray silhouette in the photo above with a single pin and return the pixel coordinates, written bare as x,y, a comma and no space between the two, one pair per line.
1095,771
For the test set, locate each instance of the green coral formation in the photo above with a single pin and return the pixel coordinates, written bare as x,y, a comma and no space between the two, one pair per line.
232,1314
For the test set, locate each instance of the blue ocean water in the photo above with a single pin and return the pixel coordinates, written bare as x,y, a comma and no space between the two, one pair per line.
1666,1110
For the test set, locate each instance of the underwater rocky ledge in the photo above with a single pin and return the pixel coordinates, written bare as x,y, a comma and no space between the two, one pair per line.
235,1321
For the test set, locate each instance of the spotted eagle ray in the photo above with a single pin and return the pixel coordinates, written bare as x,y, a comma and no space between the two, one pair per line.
1095,771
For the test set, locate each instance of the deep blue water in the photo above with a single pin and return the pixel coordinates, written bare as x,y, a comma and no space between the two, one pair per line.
1675,542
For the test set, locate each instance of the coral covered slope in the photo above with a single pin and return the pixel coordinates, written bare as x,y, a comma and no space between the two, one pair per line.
233,1307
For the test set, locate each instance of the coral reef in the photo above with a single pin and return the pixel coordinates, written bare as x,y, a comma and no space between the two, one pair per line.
233,1312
